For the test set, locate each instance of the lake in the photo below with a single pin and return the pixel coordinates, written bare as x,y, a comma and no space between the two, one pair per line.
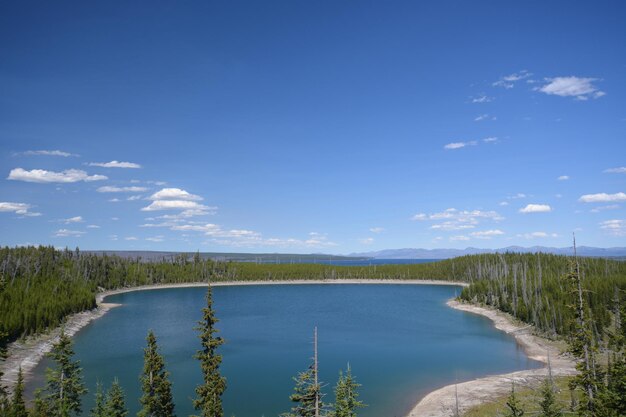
401,342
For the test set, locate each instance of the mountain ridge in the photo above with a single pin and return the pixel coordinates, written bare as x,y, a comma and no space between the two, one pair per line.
444,253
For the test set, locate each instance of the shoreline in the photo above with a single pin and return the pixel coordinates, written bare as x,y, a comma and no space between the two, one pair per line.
442,402
28,352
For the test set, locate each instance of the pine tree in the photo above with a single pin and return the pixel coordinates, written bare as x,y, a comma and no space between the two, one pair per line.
18,406
346,394
209,394
157,399
98,409
304,395
115,403
513,404
64,383
548,404
4,341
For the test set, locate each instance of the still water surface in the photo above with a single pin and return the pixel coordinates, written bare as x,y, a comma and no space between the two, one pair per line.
401,341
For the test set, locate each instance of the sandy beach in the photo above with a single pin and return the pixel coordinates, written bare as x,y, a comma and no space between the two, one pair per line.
441,402
28,352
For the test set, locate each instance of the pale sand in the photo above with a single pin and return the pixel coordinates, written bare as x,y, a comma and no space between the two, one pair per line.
27,353
479,391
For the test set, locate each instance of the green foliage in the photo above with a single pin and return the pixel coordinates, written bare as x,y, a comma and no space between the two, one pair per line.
64,383
18,406
209,394
157,399
115,405
549,405
98,409
306,391
346,395
513,405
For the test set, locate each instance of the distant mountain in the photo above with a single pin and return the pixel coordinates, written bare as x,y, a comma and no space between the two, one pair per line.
410,253
155,256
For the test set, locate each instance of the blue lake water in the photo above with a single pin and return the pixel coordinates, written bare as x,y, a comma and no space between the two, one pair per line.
401,341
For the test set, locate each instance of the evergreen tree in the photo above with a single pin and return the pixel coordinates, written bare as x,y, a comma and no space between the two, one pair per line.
18,406
346,395
115,403
4,340
209,394
305,394
548,403
156,400
513,404
98,409
64,383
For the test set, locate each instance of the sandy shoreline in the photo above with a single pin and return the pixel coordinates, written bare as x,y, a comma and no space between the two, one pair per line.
27,353
441,402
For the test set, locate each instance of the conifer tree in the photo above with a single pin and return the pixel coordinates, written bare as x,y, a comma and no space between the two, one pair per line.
548,404
115,403
18,406
64,383
346,395
304,395
98,409
4,340
156,400
513,404
209,393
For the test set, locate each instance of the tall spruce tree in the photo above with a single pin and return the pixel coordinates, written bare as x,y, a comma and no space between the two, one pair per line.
209,394
513,405
346,395
115,405
548,404
156,400
4,340
64,383
98,408
18,405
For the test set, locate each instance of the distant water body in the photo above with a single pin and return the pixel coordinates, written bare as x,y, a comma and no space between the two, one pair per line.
401,341
350,262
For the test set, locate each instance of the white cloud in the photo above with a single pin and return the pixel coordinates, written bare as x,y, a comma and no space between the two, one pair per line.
459,145
602,198
155,239
536,208
114,164
366,241
517,196
377,229
174,205
491,139
603,208
453,219
76,219
508,81
43,176
618,170
460,237
18,208
134,198
482,98
503,203
68,233
114,200
93,226
580,88
111,189
484,116
563,178
50,153
174,194
537,235
130,238
614,227
487,234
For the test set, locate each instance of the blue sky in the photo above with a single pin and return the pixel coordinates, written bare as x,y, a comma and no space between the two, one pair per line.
298,126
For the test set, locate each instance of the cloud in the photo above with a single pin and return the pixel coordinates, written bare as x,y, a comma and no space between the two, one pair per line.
77,219
453,219
18,208
536,208
517,196
134,198
614,227
114,164
482,98
377,229
563,178
537,235
174,194
603,208
155,239
366,241
112,189
457,238
130,238
68,233
49,153
93,226
114,200
503,203
459,145
491,139
508,81
485,116
580,88
619,170
602,198
175,205
487,234
43,176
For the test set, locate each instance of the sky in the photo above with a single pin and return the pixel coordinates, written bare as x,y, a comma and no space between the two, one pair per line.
312,126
